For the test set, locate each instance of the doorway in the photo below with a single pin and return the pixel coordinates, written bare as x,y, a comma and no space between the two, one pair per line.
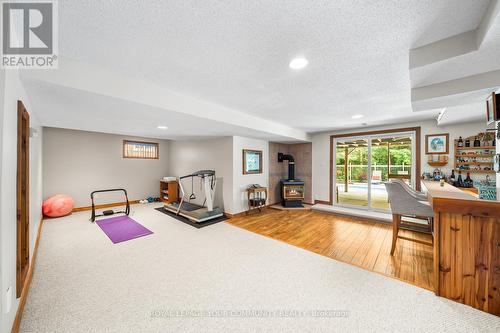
22,198
361,163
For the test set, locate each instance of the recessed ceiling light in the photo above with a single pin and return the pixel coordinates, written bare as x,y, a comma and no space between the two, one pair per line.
298,63
162,127
357,116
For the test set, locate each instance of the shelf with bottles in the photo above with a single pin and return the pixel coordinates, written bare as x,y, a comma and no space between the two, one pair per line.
468,159
474,163
485,140
474,171
475,154
475,148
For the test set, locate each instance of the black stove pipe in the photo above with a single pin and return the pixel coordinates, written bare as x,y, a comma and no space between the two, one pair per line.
291,164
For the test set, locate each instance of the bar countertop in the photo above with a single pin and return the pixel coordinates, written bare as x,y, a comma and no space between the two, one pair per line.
453,200
435,190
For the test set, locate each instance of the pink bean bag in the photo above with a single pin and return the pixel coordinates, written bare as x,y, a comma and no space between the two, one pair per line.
58,205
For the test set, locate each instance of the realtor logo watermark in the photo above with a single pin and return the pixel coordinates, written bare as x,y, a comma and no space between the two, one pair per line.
29,34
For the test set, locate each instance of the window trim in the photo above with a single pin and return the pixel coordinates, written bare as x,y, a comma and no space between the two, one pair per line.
125,142
417,131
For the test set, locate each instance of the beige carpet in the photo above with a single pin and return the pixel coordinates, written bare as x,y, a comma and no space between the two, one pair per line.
183,279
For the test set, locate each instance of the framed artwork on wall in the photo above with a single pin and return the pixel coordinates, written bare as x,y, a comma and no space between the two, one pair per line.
437,144
491,109
252,161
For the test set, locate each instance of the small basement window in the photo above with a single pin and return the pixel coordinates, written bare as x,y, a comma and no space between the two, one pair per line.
139,149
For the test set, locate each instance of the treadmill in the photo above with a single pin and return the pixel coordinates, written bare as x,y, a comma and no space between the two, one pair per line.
195,212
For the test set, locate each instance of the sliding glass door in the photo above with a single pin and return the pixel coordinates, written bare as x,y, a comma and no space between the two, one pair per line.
364,163
352,172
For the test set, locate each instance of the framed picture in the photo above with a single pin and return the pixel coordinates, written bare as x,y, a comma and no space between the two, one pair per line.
491,109
252,161
437,144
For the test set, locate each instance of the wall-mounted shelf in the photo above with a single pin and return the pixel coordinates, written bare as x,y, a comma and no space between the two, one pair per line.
475,171
474,163
474,155
474,148
469,158
437,164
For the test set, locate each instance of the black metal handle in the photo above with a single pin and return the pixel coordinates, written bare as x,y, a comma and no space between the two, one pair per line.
127,208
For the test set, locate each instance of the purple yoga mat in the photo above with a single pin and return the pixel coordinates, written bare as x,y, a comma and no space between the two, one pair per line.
122,228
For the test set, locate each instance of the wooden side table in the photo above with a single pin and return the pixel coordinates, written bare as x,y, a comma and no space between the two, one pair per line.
257,197
169,191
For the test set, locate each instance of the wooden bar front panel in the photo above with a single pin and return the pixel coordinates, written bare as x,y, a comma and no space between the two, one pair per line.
469,259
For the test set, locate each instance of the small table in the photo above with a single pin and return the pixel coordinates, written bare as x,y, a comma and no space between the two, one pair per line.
257,197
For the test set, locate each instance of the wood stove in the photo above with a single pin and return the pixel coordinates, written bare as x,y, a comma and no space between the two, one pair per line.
292,190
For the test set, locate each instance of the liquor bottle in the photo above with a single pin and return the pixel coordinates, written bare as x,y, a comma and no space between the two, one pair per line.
468,181
460,142
460,182
467,142
477,143
452,177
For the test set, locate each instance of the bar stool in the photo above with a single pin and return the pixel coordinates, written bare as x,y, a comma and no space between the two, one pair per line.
404,204
416,194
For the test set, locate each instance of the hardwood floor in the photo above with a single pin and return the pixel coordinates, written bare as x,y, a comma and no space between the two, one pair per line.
351,240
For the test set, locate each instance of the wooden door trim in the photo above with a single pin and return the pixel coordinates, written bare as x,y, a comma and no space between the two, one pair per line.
22,198
24,295
394,130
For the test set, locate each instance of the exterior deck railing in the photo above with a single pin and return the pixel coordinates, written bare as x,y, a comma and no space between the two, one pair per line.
359,172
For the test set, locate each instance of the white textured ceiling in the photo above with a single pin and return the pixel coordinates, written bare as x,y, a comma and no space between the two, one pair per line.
235,53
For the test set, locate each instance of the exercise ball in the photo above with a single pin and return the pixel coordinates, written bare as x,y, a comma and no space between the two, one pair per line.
58,205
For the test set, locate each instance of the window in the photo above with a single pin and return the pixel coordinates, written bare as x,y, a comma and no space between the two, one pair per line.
139,149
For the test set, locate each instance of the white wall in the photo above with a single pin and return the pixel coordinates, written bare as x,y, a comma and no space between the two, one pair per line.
241,181
321,149
78,162
212,154
224,155
2,248
14,91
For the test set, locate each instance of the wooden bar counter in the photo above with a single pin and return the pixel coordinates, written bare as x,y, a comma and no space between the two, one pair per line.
466,247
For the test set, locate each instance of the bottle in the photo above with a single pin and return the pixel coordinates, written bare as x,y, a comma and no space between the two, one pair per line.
460,142
467,142
460,182
477,143
468,181
494,143
452,177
